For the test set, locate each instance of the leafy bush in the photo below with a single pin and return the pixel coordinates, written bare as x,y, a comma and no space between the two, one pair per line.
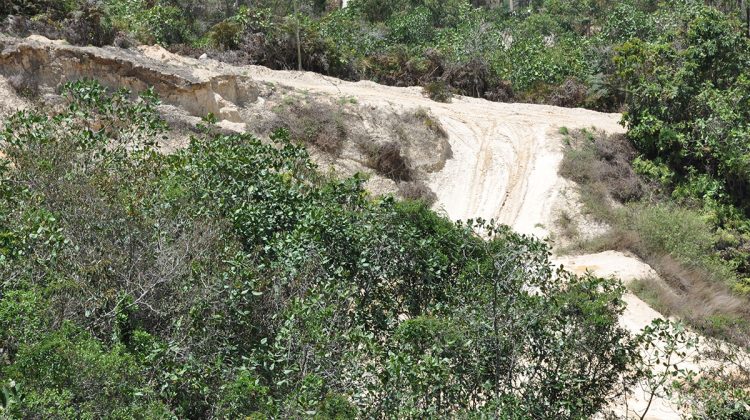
413,27
226,35
164,25
90,26
627,21
686,105
68,374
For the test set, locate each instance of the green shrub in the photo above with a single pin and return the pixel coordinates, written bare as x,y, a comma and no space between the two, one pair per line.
683,94
676,231
23,316
336,407
226,34
67,374
163,25
413,27
90,25
244,396
626,21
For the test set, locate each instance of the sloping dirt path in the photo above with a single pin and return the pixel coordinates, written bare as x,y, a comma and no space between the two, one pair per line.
505,156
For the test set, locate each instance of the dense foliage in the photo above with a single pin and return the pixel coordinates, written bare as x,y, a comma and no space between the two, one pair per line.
551,51
687,102
230,279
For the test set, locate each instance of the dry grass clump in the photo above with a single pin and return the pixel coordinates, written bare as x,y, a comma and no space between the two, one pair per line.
388,160
317,123
423,138
423,116
656,295
571,93
399,146
693,294
408,144
417,190
567,225
438,91
600,163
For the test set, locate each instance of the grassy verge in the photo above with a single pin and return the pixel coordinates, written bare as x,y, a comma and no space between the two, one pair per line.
677,241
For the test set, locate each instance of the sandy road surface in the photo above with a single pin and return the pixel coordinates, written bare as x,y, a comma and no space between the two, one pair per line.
505,156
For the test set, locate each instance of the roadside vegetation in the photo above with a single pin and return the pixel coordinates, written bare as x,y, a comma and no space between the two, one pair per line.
699,280
674,189
547,51
703,284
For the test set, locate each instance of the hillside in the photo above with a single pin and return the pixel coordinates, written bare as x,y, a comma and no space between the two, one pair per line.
182,237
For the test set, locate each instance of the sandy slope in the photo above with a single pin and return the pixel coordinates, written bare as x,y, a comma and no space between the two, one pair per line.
505,156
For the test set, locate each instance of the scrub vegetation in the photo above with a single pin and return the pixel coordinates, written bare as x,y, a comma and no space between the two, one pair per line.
231,279
561,52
